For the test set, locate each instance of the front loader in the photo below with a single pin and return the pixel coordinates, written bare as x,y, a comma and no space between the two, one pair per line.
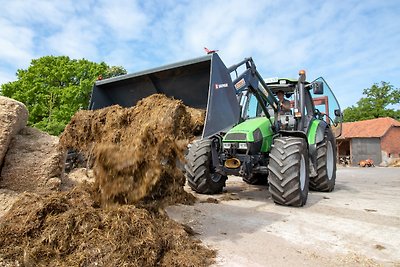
245,131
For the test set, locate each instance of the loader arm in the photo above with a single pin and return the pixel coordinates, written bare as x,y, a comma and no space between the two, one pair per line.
251,80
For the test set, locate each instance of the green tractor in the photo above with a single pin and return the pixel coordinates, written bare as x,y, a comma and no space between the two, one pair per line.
247,132
290,149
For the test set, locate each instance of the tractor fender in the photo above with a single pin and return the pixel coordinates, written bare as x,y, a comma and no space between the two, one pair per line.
316,134
320,134
311,146
293,133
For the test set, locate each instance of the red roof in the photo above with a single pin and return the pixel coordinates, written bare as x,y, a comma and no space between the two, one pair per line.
368,128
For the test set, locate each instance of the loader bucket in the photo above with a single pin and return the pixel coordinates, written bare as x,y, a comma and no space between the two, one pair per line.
203,83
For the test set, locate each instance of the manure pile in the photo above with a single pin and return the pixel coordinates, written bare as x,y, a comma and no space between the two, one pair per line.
136,151
118,220
69,229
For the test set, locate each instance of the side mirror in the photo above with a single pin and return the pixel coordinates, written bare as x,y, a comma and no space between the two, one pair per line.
337,113
318,88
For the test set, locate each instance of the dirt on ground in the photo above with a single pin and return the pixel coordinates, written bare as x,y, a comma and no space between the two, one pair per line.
7,199
71,229
118,219
358,224
395,163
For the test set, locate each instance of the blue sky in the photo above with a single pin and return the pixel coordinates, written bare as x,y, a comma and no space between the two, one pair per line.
351,43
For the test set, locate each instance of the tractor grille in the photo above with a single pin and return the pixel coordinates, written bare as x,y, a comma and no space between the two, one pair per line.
236,136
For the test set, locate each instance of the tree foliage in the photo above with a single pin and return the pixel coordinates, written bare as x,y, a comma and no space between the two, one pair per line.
54,88
113,72
375,104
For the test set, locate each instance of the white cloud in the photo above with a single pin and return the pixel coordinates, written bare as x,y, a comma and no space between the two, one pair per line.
352,44
124,18
50,13
16,43
78,39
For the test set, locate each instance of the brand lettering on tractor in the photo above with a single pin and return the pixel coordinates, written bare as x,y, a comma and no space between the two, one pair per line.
240,84
221,85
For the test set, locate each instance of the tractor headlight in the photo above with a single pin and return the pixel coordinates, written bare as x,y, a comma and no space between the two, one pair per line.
242,145
227,145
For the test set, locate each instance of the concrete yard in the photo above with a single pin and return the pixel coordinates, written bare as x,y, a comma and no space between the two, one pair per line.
358,224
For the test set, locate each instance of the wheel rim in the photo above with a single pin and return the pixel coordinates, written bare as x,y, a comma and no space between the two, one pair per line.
302,173
329,160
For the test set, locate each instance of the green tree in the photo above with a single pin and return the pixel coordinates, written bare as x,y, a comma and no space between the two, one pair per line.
54,88
375,103
114,71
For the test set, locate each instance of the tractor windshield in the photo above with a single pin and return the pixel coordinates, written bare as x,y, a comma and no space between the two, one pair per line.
254,109
327,106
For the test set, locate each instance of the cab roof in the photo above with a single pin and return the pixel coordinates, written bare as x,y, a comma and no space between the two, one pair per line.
284,84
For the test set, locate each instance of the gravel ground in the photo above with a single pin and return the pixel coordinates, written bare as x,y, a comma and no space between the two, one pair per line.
358,224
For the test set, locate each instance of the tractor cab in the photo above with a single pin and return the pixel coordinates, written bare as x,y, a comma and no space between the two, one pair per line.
284,91
285,84
320,103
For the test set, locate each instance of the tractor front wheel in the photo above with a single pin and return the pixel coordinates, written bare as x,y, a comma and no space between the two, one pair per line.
199,172
289,171
326,164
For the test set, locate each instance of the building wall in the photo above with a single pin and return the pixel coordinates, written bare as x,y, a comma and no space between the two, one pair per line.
391,144
366,148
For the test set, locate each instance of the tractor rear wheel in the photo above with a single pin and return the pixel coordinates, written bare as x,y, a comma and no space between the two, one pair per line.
289,171
199,172
326,164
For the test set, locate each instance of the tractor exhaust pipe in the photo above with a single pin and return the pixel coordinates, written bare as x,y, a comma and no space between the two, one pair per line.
232,163
301,81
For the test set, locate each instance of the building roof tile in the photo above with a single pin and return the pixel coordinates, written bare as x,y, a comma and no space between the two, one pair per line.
368,128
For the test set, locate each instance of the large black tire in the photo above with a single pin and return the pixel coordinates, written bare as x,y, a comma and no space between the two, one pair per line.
326,164
289,171
199,172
